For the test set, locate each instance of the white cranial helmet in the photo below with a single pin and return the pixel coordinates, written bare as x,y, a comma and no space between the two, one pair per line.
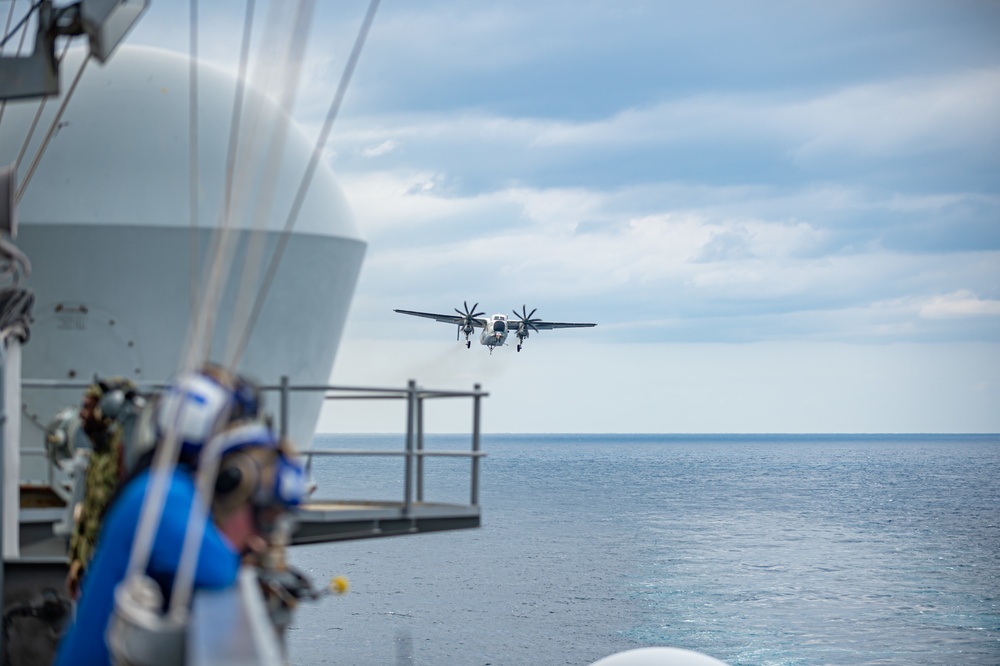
193,408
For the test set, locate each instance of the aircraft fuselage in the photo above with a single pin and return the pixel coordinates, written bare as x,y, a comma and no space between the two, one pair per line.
495,332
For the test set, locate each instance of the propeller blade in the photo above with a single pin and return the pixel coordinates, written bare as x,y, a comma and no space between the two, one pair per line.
468,315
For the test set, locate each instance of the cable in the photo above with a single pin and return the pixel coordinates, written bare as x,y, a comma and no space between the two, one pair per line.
38,115
20,23
293,213
193,155
294,55
10,16
52,130
20,47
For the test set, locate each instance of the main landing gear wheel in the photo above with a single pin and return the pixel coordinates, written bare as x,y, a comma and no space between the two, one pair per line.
468,344
519,348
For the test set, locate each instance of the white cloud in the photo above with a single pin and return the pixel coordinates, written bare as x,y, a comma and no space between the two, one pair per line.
901,117
577,243
380,149
962,303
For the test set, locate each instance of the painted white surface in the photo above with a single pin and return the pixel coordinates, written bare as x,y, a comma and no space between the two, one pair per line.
658,656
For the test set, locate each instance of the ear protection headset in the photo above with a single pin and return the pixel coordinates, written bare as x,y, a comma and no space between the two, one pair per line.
244,477
253,470
239,481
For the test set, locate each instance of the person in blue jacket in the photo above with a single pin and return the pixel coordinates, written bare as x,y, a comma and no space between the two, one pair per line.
208,412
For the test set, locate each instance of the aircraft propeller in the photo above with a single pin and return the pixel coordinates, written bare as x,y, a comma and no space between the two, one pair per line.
526,321
466,324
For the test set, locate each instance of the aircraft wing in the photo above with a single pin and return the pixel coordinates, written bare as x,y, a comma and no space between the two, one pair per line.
549,325
444,318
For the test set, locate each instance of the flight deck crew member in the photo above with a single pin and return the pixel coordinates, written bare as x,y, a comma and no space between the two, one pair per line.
234,527
104,409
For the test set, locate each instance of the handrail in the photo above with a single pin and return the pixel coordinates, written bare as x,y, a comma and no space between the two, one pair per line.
413,450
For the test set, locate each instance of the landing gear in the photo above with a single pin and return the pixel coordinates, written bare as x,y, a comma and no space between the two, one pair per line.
519,347
468,344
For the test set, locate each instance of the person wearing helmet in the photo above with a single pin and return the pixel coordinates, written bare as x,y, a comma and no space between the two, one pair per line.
257,479
108,406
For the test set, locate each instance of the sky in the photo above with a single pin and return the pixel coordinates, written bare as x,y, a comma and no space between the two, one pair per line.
783,216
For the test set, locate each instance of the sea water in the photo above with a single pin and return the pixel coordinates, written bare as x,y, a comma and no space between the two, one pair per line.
763,549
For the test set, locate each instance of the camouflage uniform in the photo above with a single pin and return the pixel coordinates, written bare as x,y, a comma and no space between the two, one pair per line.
104,472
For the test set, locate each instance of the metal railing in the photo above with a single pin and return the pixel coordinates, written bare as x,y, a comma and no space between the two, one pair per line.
413,451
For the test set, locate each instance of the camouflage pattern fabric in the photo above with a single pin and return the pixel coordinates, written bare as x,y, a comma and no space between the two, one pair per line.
103,475
104,470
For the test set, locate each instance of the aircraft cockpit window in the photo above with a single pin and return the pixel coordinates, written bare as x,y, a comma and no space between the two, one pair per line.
498,325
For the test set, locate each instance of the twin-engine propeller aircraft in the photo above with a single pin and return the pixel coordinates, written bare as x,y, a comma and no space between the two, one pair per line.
496,328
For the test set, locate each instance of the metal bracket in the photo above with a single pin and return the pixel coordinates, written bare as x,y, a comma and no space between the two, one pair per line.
105,22
36,75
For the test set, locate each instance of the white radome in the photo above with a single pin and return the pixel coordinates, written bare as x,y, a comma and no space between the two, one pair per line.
658,656
105,221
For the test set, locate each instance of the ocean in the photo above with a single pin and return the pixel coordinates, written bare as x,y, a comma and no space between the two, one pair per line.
754,549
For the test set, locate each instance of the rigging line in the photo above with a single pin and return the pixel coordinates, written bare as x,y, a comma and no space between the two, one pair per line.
24,19
294,55
10,16
238,100
52,129
20,47
285,73
240,175
38,115
193,155
242,158
293,213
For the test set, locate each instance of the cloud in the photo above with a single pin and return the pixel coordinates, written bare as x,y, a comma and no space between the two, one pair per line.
962,303
694,242
900,118
383,148
891,118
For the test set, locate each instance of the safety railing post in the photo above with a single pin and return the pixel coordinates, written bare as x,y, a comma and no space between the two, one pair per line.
284,406
474,500
420,448
411,408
